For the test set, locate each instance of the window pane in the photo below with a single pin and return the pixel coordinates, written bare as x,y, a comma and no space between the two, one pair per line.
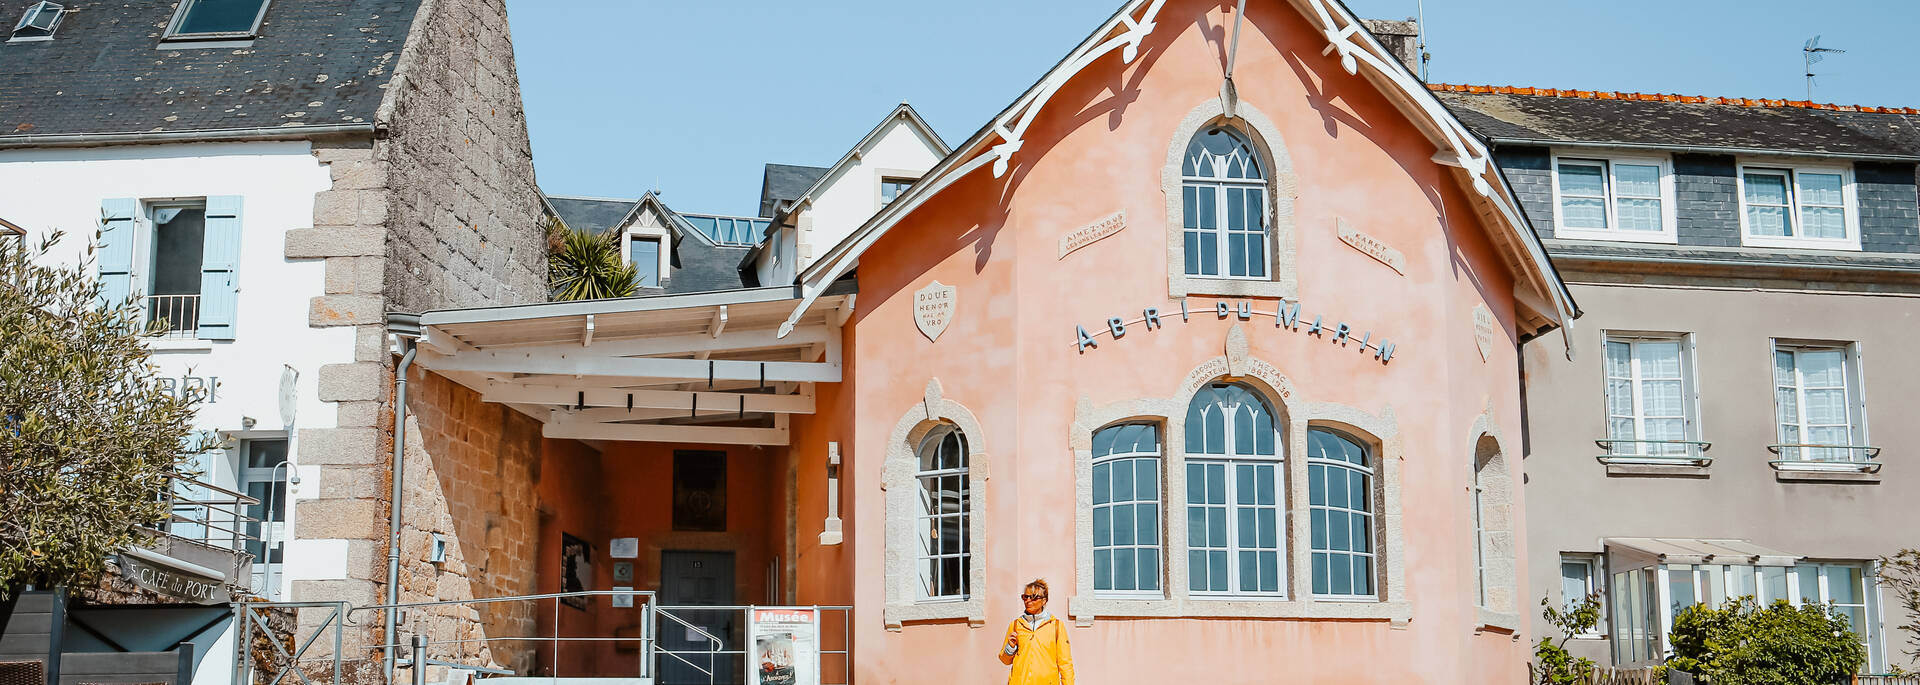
1843,585
1319,528
1218,560
1123,481
1147,525
646,261
1103,569
1149,563
1123,524
1574,582
1820,189
1102,483
220,16
1636,180
1197,571
1249,572
1340,574
1583,212
1766,189
1146,479
1823,222
1773,582
1808,576
1586,180
1321,573
1102,526
1124,575
1639,215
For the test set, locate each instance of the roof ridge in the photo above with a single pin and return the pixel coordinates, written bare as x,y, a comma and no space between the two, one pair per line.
1662,97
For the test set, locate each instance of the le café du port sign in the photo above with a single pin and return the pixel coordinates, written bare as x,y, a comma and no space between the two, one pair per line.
173,582
1286,316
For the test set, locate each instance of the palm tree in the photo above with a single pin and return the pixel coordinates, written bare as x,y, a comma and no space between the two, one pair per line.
584,266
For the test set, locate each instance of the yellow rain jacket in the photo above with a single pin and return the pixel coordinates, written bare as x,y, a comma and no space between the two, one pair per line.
1044,657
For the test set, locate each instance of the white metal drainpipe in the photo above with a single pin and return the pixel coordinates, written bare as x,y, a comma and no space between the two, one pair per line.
406,328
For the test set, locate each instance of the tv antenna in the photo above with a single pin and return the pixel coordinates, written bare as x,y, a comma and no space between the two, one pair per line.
1813,54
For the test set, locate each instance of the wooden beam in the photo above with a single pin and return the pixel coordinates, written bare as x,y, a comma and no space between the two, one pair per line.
719,322
586,340
674,344
617,414
597,364
514,393
711,435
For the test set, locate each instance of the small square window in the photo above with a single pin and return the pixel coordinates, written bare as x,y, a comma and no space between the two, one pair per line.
1798,207
891,188
1613,199
646,261
1580,577
214,19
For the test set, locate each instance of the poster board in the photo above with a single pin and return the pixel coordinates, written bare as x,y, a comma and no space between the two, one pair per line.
784,646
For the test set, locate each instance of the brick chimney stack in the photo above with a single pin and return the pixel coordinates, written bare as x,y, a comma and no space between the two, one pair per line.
1402,38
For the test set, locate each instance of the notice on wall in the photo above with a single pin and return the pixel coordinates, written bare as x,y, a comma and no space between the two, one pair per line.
1483,331
785,646
1372,247
623,548
1093,232
933,309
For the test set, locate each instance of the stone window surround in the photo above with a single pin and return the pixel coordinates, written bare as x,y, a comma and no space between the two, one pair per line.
1281,186
1379,433
1489,450
898,482
636,230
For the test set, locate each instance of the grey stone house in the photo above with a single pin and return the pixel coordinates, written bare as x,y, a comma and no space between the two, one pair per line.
273,177
1736,416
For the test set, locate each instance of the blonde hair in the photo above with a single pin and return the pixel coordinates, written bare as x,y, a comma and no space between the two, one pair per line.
1040,583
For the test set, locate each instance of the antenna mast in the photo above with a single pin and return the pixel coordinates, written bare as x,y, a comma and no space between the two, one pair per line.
1812,53
1420,26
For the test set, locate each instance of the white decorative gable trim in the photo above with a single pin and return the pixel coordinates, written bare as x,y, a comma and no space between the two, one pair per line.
1003,137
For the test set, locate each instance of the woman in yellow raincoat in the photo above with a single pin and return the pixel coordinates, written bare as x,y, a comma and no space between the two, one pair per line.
1036,645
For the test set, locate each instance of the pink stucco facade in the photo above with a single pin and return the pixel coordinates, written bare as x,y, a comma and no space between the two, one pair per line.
1009,358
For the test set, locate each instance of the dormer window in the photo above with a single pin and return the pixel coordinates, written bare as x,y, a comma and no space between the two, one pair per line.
39,22
891,188
1613,198
1808,207
216,19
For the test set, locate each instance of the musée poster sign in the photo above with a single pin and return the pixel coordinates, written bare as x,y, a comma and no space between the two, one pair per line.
786,647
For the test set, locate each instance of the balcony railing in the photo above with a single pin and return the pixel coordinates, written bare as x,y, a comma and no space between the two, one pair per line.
178,315
1817,457
1654,452
210,515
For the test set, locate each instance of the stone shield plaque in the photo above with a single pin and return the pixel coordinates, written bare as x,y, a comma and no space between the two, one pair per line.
933,309
1483,331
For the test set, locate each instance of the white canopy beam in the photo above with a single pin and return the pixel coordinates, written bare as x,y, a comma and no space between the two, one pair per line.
713,435
722,402
597,364
678,344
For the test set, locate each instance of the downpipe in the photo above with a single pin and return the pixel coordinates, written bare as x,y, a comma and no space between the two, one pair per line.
406,328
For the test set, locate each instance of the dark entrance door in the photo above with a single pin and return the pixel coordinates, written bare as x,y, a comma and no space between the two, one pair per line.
696,579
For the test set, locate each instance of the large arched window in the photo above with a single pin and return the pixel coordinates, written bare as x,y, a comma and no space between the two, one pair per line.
943,560
1340,475
1126,510
1235,495
1223,198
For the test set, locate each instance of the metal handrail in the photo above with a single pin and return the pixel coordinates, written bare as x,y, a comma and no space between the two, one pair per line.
181,313
1693,456
229,509
1872,452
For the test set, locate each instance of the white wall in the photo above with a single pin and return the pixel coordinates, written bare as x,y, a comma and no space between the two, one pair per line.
852,194
62,189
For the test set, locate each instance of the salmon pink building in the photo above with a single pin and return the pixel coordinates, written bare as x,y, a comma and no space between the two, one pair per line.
1214,328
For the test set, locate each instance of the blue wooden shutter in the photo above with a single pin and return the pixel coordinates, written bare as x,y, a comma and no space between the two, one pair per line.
220,268
117,229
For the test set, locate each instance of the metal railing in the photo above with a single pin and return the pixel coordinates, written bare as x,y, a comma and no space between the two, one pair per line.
210,515
426,639
1819,457
1654,452
178,314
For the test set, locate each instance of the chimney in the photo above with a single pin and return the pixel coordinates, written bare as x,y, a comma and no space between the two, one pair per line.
1402,38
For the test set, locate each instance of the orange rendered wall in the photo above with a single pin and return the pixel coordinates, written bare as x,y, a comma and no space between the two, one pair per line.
1099,146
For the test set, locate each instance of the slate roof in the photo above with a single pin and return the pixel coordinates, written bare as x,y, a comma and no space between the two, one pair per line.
596,214
1508,114
315,62
697,266
785,183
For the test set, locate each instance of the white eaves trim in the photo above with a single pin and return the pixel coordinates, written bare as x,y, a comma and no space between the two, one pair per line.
903,112
1124,31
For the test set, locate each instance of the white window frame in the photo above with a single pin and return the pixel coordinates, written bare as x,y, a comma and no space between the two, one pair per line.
1374,515
1158,457
180,16
1668,216
1596,582
1855,389
1689,391
146,241
1220,184
1792,172
880,192
1232,460
1869,602
964,518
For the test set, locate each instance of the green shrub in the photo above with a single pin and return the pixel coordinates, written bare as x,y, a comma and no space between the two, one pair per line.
1742,643
1553,664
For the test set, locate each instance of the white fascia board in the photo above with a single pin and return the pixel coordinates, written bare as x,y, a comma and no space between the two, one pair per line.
647,367
903,112
681,401
713,435
676,344
541,310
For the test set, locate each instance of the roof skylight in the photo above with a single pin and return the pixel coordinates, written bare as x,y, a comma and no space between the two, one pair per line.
39,21
214,19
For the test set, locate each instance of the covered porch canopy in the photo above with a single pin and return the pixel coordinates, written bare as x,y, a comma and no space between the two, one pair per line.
693,368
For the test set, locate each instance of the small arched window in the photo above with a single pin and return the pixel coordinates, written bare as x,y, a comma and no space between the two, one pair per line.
1235,545
1223,198
1340,475
945,505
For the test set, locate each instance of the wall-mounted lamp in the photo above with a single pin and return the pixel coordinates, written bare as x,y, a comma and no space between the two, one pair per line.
247,422
830,534
439,553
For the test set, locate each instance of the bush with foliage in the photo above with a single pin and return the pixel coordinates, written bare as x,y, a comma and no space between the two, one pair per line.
1900,577
1743,643
1553,664
88,435
584,266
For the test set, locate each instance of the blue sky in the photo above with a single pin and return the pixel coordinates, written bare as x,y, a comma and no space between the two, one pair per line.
691,98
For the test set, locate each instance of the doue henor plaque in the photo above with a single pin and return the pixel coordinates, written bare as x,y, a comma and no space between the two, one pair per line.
933,309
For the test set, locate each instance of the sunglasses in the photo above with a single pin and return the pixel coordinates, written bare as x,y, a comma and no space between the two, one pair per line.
1030,598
